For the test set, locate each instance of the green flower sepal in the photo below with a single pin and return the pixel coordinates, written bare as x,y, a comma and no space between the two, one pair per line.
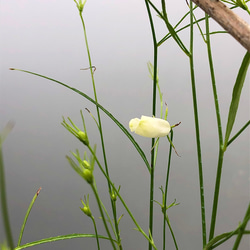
113,194
85,167
80,5
74,130
163,207
86,208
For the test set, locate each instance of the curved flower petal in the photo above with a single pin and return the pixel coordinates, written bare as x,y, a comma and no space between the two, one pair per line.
150,126
133,124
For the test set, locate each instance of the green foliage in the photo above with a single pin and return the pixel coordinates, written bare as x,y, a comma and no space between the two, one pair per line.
84,167
236,97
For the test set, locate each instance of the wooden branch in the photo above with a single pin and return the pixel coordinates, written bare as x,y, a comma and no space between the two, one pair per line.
231,22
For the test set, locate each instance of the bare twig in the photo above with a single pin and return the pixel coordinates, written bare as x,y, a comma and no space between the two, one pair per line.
231,22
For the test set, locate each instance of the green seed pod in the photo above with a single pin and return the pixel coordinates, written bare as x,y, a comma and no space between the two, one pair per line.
87,211
83,137
88,175
86,164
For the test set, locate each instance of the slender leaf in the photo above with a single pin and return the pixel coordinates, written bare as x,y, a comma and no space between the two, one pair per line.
57,238
236,96
27,215
238,133
124,130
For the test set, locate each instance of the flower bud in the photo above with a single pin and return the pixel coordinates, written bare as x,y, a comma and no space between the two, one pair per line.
80,4
113,197
150,126
88,175
86,164
83,137
86,210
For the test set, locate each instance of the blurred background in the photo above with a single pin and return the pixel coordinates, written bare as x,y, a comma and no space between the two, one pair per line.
46,37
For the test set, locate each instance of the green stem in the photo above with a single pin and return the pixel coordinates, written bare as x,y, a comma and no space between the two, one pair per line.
242,228
97,238
95,95
216,99
151,201
116,225
110,222
171,231
172,30
4,205
121,199
219,127
102,215
216,193
151,192
100,124
197,130
165,200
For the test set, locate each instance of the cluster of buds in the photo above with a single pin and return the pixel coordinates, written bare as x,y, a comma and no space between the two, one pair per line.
85,167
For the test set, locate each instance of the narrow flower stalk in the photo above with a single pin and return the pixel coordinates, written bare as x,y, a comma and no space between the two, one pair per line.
197,126
92,69
86,209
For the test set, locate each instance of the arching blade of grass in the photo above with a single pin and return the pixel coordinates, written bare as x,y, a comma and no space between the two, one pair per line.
124,130
236,97
57,238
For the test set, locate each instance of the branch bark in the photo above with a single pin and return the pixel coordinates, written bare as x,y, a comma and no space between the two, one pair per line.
231,22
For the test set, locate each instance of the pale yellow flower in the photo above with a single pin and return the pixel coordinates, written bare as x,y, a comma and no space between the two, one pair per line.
150,126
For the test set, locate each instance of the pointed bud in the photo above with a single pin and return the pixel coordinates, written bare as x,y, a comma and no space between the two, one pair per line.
83,137
88,175
86,164
86,210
